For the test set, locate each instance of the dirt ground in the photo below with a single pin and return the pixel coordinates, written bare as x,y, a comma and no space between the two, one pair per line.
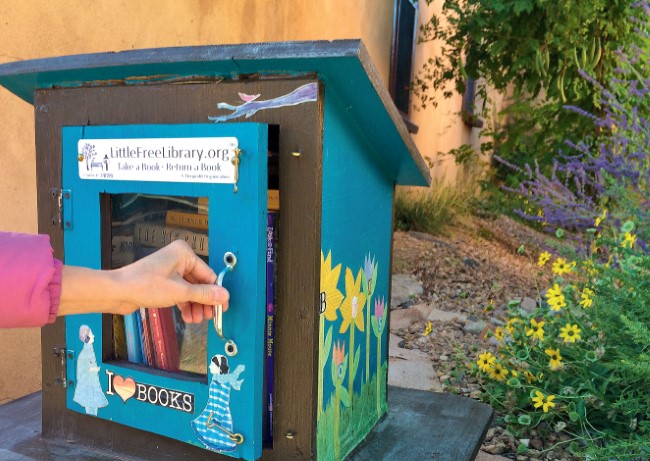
474,271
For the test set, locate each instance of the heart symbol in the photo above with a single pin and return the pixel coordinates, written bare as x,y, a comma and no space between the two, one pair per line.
125,388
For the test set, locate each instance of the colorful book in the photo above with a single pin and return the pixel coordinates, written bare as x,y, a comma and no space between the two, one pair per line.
147,339
133,344
270,317
186,219
165,343
158,235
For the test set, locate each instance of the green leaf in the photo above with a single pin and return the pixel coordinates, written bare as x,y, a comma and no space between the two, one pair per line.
627,227
521,250
373,323
524,420
356,362
345,397
559,233
574,417
327,347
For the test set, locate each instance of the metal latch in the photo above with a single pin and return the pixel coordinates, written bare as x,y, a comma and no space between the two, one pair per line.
64,355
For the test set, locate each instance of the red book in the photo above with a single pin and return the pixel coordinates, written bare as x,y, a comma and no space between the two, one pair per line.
165,342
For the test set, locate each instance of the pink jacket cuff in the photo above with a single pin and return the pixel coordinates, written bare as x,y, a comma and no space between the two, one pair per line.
30,280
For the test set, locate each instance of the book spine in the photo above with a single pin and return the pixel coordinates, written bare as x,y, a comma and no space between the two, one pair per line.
187,220
270,317
148,340
160,356
141,337
159,235
133,347
170,338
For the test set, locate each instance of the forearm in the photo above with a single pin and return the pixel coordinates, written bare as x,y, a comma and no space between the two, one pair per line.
87,290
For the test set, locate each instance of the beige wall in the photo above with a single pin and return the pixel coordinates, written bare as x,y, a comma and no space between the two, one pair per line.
35,29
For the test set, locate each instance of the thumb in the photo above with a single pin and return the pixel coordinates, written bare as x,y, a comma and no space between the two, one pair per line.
208,294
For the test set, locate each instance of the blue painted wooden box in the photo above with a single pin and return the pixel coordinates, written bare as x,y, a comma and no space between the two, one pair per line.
310,120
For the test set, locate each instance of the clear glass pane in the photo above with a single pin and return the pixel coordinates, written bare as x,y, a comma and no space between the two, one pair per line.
139,225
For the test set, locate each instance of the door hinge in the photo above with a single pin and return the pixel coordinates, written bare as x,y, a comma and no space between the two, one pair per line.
65,361
61,208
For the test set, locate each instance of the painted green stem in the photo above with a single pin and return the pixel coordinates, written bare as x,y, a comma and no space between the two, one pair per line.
368,338
378,375
352,373
337,424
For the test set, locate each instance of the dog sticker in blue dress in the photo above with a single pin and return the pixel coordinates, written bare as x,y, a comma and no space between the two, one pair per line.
214,426
88,392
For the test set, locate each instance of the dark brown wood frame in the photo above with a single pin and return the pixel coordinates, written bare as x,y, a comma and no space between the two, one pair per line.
296,334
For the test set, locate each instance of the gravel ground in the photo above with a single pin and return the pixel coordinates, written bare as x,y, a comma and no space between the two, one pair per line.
460,275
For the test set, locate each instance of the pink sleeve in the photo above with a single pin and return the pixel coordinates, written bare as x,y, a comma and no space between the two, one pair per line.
30,280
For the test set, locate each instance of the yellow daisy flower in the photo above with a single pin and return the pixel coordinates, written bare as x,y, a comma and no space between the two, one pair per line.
536,330
629,240
556,358
543,258
529,377
600,218
586,298
542,401
560,266
510,326
498,334
498,372
485,361
570,333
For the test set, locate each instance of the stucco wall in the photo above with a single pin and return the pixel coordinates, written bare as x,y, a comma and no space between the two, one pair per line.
36,29
441,128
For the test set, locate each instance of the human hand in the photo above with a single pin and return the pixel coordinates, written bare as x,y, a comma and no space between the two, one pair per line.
173,275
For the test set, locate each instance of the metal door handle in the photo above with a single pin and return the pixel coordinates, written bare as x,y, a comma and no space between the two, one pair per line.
230,260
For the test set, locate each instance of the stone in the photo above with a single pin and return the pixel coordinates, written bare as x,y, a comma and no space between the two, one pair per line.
436,315
474,328
411,368
403,318
528,304
483,456
404,287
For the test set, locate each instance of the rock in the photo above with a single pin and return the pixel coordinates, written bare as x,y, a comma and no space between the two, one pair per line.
403,318
495,449
469,262
436,315
528,305
536,443
411,368
474,328
482,456
404,287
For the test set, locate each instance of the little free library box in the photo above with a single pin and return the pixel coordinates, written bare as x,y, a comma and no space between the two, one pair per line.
277,163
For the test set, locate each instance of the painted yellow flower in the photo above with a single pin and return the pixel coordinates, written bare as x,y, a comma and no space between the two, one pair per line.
354,302
586,298
536,330
601,218
498,372
560,266
556,358
330,296
485,361
542,401
570,333
498,334
543,258
629,240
